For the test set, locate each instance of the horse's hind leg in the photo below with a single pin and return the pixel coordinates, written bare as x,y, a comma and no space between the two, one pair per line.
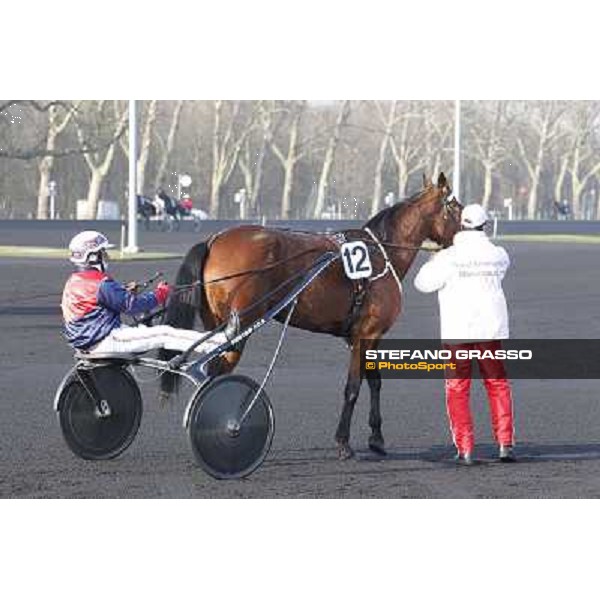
376,443
226,362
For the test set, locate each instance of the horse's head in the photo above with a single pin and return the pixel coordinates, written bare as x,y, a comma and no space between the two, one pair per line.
444,215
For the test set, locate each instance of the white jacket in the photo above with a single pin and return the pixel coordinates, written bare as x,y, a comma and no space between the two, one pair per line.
468,278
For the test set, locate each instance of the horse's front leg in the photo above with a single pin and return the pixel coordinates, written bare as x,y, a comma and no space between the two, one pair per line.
342,436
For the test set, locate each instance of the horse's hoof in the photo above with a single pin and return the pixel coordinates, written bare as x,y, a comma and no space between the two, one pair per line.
377,446
345,452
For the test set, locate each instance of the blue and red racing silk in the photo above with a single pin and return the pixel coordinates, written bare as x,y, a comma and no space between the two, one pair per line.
92,303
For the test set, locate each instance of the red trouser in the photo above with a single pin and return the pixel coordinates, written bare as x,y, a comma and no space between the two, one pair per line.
458,390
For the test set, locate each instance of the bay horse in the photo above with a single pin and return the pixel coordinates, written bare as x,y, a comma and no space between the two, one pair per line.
259,259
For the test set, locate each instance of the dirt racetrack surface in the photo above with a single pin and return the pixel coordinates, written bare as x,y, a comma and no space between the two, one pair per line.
553,290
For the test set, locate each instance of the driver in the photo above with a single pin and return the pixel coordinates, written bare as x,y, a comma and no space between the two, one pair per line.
187,204
92,303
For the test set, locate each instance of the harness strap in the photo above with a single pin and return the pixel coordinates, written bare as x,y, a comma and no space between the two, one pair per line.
389,267
359,291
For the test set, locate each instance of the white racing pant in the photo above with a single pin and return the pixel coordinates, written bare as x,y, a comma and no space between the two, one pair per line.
141,338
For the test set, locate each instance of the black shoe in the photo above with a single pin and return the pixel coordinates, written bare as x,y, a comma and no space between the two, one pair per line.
506,454
464,459
232,330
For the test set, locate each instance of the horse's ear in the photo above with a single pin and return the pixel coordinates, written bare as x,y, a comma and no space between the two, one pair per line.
442,180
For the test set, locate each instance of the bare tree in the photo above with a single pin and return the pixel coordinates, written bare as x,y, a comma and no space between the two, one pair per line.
56,125
145,143
228,138
388,124
99,162
291,156
36,146
167,147
438,127
342,118
584,162
408,144
293,150
253,158
488,127
563,165
545,128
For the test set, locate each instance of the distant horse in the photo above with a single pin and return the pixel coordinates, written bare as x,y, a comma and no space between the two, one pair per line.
172,207
332,304
164,209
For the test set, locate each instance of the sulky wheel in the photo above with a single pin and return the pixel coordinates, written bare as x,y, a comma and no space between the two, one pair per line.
225,446
100,410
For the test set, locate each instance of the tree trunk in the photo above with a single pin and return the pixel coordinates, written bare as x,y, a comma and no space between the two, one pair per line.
226,148
215,194
93,195
487,185
436,168
145,147
253,176
164,159
560,180
534,170
98,175
342,117
215,180
377,192
254,200
487,141
376,200
532,201
100,166
579,182
578,187
406,152
45,169
286,198
402,179
290,163
248,175
47,162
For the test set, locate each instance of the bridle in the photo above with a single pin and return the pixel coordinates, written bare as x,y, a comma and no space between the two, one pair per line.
447,206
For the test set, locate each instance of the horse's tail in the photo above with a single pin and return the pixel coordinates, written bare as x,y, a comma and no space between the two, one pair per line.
184,305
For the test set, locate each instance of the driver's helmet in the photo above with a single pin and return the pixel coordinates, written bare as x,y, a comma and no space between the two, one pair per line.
87,247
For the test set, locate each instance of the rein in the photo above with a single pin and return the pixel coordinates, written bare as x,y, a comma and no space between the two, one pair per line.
401,247
183,288
257,271
285,283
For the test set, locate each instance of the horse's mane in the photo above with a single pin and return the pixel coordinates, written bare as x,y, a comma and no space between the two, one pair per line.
378,223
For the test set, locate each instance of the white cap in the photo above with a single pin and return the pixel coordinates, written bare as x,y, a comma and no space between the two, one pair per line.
472,216
86,243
